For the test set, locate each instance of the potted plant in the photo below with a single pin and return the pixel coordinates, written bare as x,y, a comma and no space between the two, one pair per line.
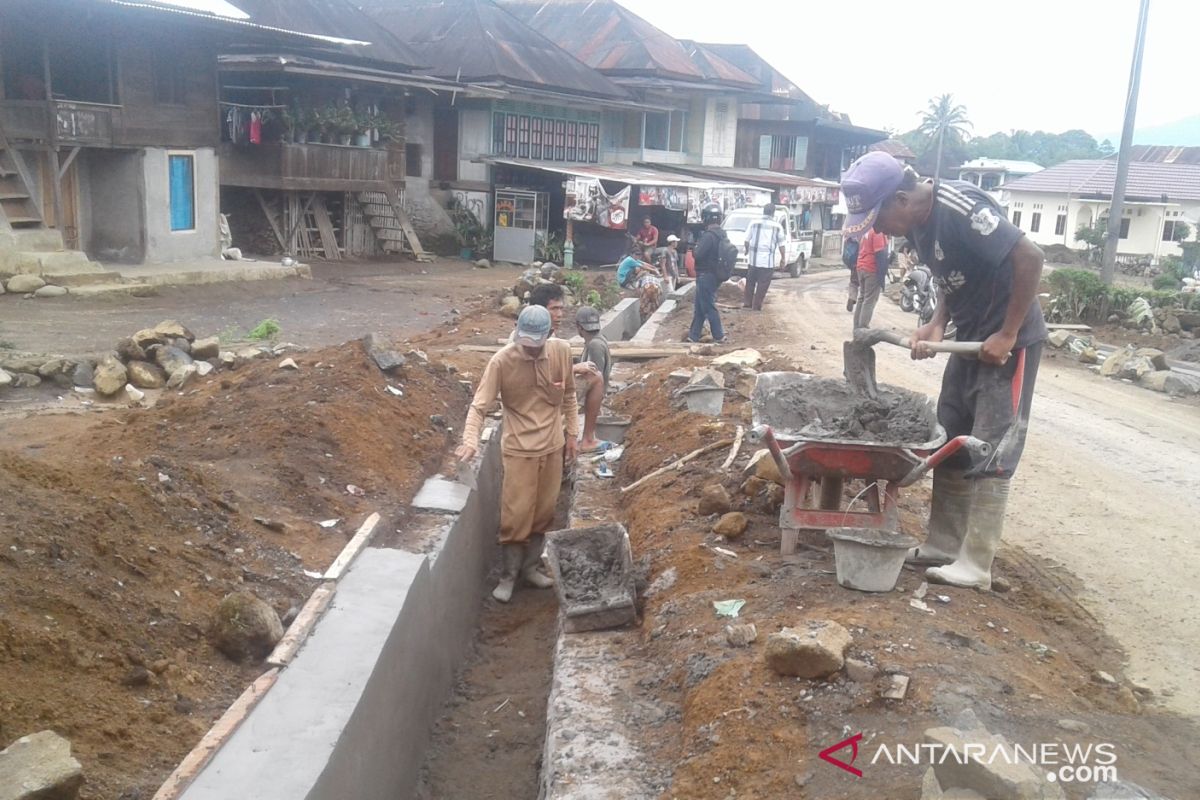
310,122
362,129
386,130
344,124
288,124
472,236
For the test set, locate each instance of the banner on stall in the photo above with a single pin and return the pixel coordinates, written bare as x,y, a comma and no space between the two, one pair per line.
727,199
796,195
586,201
672,198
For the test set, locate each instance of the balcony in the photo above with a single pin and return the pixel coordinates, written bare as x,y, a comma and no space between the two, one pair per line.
59,121
311,167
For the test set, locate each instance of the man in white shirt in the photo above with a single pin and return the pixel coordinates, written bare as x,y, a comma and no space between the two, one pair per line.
764,241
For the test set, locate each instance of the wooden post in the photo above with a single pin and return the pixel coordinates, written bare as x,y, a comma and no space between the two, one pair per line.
569,245
55,180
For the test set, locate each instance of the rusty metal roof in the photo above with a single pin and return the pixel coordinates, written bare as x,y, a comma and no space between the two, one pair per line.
716,68
772,80
617,42
337,18
894,148
475,40
1165,154
216,17
1095,177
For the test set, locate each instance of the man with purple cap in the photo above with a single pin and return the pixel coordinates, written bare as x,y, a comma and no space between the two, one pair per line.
988,275
532,377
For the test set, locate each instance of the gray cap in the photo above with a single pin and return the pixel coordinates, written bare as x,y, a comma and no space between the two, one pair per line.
588,319
533,326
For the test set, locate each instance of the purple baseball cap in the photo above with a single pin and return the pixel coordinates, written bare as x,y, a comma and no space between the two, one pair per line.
869,181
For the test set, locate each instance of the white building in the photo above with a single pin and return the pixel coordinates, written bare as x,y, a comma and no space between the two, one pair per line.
991,173
1159,200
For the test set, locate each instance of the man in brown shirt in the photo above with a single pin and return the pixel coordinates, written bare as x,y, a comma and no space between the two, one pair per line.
533,378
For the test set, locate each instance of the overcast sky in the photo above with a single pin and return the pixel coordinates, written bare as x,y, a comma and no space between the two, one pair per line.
1033,64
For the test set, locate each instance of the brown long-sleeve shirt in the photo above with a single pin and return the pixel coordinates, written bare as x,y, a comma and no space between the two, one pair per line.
538,397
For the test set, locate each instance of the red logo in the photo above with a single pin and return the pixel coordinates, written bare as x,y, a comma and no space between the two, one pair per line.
852,743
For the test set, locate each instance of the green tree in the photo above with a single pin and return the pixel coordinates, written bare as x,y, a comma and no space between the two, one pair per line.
1093,236
943,120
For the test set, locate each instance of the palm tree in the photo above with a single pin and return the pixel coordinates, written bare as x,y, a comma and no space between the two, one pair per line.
942,117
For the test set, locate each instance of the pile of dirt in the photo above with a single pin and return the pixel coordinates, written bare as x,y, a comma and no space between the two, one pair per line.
1023,660
821,408
126,529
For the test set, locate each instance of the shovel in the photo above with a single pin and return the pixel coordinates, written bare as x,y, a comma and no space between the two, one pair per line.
858,356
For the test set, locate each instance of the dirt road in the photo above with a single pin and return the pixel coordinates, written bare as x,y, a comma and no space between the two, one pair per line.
1107,487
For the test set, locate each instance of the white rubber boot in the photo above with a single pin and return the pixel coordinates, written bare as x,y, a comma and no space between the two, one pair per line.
511,556
533,559
948,513
973,567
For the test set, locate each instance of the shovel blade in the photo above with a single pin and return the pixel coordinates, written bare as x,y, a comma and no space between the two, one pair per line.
858,363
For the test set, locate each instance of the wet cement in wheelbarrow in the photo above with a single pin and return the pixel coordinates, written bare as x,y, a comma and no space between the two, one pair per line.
592,571
830,409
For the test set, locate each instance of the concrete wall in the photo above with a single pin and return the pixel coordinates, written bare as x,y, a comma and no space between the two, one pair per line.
163,244
113,195
474,140
720,132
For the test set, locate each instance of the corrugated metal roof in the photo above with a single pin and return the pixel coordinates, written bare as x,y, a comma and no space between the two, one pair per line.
750,175
634,176
475,40
717,68
894,148
610,38
1165,154
747,60
339,18
224,20
1003,164
1146,181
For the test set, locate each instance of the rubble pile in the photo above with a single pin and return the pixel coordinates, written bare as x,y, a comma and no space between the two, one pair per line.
511,302
1145,366
31,286
167,356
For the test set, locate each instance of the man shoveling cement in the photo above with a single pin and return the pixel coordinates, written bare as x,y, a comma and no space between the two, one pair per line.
533,379
989,274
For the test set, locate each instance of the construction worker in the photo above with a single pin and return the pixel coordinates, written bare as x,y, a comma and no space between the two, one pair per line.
988,272
533,378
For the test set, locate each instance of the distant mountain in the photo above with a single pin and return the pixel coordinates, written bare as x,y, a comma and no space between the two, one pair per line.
1181,133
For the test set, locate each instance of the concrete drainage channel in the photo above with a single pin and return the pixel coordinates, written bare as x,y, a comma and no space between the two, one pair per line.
347,704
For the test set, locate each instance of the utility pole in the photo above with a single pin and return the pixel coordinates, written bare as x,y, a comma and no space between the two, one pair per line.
1108,266
937,169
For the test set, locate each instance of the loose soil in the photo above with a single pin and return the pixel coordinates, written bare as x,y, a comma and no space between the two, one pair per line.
1022,659
123,530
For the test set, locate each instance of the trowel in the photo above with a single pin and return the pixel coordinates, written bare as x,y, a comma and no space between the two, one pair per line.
468,475
858,355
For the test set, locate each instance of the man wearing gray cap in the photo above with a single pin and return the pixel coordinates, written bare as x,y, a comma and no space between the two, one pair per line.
532,377
591,381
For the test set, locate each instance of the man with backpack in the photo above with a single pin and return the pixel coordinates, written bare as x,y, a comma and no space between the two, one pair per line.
715,259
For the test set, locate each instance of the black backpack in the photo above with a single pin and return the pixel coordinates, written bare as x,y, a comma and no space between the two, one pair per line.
727,254
850,252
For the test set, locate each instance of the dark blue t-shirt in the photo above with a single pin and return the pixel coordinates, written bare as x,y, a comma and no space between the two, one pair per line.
967,243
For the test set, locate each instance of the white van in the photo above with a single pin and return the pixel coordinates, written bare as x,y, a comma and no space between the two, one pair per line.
798,244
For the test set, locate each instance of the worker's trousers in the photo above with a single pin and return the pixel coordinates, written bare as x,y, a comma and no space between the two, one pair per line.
529,495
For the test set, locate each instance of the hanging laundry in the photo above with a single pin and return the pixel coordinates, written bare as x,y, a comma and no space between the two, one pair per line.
255,128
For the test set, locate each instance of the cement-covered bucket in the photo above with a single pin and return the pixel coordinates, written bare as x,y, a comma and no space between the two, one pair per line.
707,400
869,560
612,427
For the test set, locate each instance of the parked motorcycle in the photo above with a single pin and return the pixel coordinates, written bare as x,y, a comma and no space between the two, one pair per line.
919,293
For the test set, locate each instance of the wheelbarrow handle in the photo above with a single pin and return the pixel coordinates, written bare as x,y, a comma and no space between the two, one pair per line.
976,447
763,434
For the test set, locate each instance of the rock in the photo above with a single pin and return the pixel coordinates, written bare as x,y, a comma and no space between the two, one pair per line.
731,525
763,466
510,306
206,348
58,370
245,627
21,363
739,358
815,651
203,369
707,378
967,765
1173,383
180,377
1170,324
146,337
1104,677
1156,356
742,635
1122,790
39,767
861,671
775,495
51,291
182,344
22,284
897,688
1135,368
129,350
5,379
170,329
145,375
26,380
1060,338
754,486
110,376
171,359
135,394
714,500
250,353
420,356
932,790
228,359
289,363
1116,361
483,263
1088,355
2,289
138,676
1074,726
382,353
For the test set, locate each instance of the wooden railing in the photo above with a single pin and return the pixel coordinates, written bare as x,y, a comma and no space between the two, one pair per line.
303,166
65,122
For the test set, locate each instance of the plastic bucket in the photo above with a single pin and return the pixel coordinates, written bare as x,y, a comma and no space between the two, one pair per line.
704,400
869,560
612,428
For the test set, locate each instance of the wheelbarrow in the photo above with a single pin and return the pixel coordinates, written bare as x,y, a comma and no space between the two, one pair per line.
808,461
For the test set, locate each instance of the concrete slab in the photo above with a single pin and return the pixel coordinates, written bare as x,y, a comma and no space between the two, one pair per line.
648,331
621,321
212,270
439,494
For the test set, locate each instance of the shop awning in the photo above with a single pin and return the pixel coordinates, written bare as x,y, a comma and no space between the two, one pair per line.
632,175
791,188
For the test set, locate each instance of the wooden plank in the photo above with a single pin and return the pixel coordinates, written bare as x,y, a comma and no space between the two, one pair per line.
271,219
1061,326
217,735
352,548
325,226
406,225
616,351
302,625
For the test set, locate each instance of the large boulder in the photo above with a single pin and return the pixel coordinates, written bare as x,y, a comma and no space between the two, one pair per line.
1157,357
39,767
971,767
145,375
1112,366
129,350
170,329
180,377
147,337
245,627
817,650
171,359
58,370
1173,383
1136,368
510,306
23,284
51,291
110,376
714,500
206,348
